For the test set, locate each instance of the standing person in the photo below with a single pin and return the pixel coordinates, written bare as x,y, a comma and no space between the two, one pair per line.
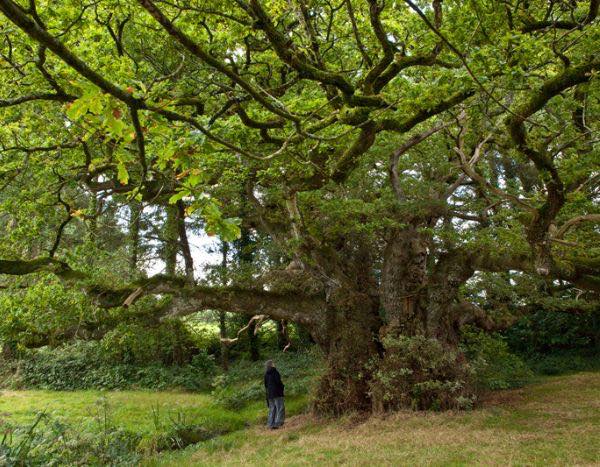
274,388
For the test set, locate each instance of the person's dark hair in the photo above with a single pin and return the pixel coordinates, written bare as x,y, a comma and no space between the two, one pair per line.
268,365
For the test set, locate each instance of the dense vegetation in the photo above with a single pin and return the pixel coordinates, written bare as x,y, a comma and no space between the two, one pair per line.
410,186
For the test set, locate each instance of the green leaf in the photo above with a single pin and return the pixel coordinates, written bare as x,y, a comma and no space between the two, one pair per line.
122,173
178,196
115,126
77,109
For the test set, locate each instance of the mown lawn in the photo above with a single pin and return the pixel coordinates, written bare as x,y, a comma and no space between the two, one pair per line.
555,422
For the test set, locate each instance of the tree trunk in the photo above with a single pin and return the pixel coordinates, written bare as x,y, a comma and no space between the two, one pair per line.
348,337
170,243
253,346
304,338
184,244
222,315
403,278
418,298
135,214
244,253
422,307
451,271
282,334
93,219
223,335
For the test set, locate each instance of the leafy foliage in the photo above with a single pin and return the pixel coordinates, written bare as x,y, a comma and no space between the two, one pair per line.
41,314
83,365
420,373
494,365
169,343
416,161
546,331
565,361
47,441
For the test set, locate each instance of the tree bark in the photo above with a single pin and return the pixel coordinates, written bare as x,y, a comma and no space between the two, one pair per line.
253,344
184,243
170,240
135,214
222,315
348,337
282,334
450,272
223,335
403,278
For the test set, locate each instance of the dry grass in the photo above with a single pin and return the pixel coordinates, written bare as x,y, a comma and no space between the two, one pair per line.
556,422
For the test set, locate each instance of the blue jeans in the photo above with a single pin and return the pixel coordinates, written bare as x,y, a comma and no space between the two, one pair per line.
276,412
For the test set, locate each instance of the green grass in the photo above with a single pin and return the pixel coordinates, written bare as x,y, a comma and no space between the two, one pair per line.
137,411
553,422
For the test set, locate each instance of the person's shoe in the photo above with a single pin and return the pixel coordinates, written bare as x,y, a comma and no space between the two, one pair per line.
274,428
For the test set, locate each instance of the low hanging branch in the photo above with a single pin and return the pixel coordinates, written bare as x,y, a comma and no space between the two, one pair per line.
186,299
54,266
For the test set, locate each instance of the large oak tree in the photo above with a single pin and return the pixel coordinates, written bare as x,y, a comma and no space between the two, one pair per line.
395,152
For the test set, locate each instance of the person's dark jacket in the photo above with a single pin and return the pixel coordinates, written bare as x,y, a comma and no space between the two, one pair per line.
273,383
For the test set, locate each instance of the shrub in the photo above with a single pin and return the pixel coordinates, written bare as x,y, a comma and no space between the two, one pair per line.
565,361
40,314
420,373
547,331
83,365
494,366
204,363
169,343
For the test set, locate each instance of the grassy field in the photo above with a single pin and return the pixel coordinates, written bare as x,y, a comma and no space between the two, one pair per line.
554,422
143,412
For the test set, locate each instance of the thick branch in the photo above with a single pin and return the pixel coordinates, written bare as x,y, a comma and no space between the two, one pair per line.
554,86
251,302
194,48
290,54
576,220
404,125
532,26
583,272
293,306
415,140
21,268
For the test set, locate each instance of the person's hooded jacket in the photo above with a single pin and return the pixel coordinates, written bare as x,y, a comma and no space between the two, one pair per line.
273,383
